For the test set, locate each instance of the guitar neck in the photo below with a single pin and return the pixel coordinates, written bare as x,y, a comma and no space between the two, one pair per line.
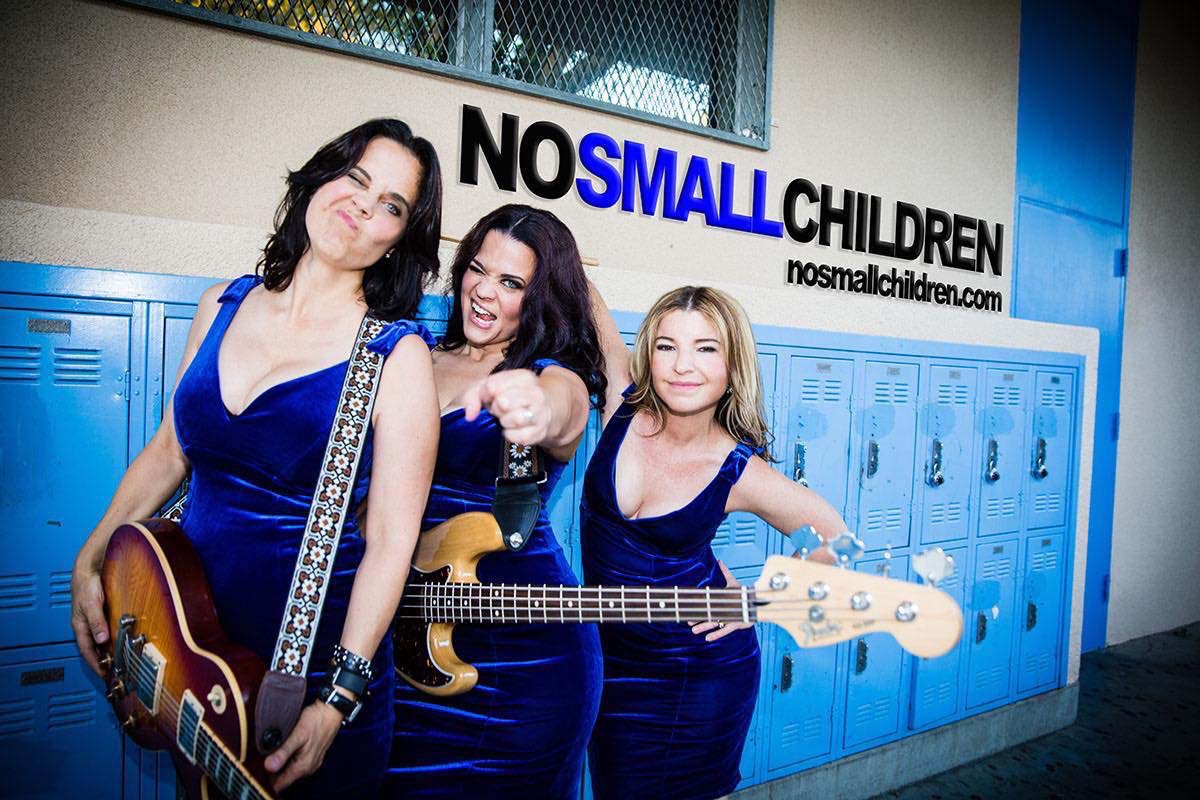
206,751
501,603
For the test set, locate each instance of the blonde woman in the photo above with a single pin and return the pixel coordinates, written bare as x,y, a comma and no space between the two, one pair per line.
688,446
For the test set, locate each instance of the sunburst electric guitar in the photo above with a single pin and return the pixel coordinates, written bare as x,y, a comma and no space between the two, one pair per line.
175,680
816,603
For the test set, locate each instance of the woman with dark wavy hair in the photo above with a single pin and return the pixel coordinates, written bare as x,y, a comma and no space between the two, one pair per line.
260,385
522,346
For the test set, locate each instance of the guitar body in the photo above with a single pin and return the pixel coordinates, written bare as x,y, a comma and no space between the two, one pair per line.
170,659
447,553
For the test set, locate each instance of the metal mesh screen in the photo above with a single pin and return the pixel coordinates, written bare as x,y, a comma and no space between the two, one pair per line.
700,62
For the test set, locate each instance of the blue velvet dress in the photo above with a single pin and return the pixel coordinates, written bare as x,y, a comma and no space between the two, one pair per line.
522,731
675,708
253,476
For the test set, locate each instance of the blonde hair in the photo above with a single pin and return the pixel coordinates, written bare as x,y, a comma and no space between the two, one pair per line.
740,409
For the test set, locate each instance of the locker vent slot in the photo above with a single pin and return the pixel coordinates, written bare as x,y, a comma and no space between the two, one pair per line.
16,717
1000,507
992,676
60,589
20,364
735,532
820,390
17,591
1045,561
879,519
951,581
953,394
945,513
1053,397
72,708
795,733
1047,503
937,694
1006,395
867,713
997,568
893,393
1039,663
76,366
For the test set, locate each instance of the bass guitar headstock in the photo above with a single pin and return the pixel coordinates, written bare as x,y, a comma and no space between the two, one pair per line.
821,605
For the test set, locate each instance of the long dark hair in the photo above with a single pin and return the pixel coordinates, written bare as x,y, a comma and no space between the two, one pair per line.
392,286
556,310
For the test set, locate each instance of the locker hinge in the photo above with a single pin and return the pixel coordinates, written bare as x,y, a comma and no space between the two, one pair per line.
1121,263
1104,588
1116,425
125,387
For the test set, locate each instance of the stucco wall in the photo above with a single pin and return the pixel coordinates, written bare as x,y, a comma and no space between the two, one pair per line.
1156,553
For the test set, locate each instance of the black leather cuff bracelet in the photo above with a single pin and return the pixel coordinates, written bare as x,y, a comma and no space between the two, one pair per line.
351,662
341,703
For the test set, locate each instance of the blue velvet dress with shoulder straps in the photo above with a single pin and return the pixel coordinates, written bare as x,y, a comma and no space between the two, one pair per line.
253,477
675,708
522,731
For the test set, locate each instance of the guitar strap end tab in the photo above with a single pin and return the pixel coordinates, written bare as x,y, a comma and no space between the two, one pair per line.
280,700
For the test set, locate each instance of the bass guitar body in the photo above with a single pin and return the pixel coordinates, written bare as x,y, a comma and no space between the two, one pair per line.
175,680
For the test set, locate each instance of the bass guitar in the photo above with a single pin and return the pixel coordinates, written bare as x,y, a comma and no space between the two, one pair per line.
816,603
175,681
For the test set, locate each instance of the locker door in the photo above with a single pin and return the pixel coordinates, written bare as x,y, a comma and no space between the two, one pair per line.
748,767
1041,611
935,680
742,539
1003,462
64,372
945,451
1050,449
802,696
817,447
889,424
874,689
990,623
58,737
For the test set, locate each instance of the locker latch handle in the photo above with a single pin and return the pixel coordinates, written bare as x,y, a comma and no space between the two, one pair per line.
936,478
1039,460
992,474
872,458
1031,617
980,627
860,658
785,677
798,471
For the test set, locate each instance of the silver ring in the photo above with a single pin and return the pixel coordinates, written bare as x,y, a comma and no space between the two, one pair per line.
720,624
527,415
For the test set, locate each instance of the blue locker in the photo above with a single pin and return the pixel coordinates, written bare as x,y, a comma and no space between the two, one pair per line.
935,680
58,737
817,443
802,692
1050,447
874,689
65,391
748,767
1003,462
946,455
989,630
742,539
889,424
1041,611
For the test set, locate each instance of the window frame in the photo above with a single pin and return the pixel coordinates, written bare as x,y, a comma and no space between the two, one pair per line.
282,33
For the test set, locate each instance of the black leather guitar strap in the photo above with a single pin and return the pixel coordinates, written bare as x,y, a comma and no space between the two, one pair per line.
517,502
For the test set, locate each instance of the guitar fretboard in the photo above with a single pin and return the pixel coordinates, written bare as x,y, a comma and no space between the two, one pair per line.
210,754
500,603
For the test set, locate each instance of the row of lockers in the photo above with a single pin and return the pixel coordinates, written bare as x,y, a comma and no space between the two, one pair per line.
859,424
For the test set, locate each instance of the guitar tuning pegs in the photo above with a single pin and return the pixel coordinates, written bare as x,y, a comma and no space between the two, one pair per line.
847,548
806,540
934,565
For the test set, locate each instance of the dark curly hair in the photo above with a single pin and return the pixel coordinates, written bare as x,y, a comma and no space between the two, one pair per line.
556,310
393,285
